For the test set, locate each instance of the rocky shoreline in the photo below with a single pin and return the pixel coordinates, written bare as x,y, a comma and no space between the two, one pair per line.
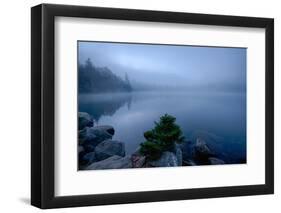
98,150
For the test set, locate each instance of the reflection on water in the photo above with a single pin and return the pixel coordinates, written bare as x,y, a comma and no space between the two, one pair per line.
104,104
131,114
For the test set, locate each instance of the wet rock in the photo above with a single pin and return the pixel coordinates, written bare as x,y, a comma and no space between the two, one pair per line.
186,149
214,142
215,161
109,148
95,135
114,162
178,154
87,159
89,148
188,162
138,161
84,120
201,151
105,128
80,149
167,159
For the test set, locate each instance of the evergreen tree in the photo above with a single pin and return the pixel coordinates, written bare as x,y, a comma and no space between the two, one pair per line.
161,138
127,78
93,79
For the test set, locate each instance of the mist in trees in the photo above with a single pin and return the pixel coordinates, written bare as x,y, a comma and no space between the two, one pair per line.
93,79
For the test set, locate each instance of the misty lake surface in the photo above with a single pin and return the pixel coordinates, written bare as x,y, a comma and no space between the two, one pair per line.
133,113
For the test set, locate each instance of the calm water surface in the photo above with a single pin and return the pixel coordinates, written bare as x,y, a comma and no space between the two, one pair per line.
131,114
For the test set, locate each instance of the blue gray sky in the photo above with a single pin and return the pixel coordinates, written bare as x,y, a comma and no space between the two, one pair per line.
196,67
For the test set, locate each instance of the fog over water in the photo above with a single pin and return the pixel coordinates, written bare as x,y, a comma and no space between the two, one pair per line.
171,66
203,87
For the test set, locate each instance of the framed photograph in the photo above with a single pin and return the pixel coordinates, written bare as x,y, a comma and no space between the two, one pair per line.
139,106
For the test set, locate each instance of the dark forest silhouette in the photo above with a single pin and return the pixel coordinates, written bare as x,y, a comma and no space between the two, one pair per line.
94,79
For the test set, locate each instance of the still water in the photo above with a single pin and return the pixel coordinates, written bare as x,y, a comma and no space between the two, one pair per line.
131,114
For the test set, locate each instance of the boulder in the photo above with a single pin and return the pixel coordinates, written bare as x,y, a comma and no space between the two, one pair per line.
87,159
215,161
109,148
231,150
188,163
187,150
114,162
95,135
105,128
86,136
214,142
81,153
201,151
178,154
167,159
138,161
84,120
89,148
80,149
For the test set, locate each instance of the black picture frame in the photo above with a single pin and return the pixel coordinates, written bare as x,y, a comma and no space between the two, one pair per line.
43,110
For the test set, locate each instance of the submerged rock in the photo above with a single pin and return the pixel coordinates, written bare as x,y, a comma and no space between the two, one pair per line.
109,148
215,161
214,142
229,149
167,159
201,151
114,162
84,120
188,162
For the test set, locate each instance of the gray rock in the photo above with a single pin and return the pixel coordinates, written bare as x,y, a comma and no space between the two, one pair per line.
114,162
178,153
105,128
88,158
81,153
109,148
86,135
80,149
187,148
95,135
188,162
167,159
89,148
84,120
202,151
214,142
215,161
230,150
138,161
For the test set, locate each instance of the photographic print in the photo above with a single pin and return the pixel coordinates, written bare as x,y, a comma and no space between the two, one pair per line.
160,105
141,95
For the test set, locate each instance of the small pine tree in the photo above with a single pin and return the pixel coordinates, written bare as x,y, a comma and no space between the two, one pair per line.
161,138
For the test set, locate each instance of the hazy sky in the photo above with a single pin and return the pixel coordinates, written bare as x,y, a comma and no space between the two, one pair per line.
184,66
